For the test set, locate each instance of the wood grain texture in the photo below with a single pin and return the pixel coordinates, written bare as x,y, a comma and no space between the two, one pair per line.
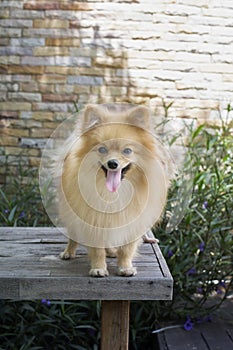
115,325
30,268
215,335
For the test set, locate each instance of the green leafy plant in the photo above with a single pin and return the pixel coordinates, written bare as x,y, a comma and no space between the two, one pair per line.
49,325
20,200
199,250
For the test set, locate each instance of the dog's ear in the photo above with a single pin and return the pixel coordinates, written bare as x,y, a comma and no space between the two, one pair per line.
93,115
139,116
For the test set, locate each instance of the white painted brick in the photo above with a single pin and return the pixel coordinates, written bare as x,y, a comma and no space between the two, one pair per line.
223,58
210,21
169,45
226,31
225,40
192,57
227,77
218,12
185,67
127,8
181,10
216,94
205,48
149,63
153,83
182,39
185,28
199,3
221,86
215,67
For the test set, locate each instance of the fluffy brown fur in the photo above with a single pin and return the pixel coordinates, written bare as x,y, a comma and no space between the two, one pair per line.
114,185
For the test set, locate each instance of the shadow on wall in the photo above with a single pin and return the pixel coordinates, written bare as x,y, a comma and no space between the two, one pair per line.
112,82
110,62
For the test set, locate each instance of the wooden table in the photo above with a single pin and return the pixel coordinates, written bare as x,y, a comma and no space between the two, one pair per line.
30,268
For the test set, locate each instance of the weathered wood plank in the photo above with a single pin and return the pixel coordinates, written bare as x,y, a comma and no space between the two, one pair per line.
207,336
179,339
216,336
30,258
24,233
87,288
115,325
230,333
10,288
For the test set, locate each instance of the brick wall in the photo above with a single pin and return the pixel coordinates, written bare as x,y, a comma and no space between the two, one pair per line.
54,53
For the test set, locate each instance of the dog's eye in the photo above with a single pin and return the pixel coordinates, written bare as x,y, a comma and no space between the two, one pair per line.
102,150
127,150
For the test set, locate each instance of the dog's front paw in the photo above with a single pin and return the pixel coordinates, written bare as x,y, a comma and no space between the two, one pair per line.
98,272
66,255
127,272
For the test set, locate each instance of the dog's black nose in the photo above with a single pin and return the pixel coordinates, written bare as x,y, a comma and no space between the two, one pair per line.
113,164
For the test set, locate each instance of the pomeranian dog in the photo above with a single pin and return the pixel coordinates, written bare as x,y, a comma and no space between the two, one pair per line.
113,187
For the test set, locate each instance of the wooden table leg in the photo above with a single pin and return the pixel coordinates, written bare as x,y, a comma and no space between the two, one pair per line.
115,324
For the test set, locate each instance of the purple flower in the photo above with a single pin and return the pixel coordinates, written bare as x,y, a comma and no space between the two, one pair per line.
91,332
169,253
202,247
188,325
208,318
6,211
205,205
219,291
191,271
22,215
220,287
204,319
46,302
199,290
222,284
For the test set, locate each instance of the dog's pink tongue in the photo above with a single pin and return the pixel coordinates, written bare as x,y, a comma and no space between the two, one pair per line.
113,180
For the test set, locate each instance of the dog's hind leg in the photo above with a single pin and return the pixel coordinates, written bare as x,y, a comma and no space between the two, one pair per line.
125,256
111,252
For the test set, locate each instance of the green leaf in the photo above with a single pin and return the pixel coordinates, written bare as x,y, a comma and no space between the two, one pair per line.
12,213
197,131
